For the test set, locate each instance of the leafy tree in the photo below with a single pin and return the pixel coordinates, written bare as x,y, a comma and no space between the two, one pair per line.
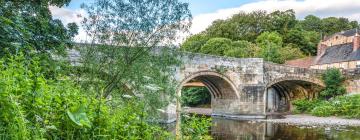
123,65
194,43
302,34
282,21
311,23
290,52
333,25
216,46
243,49
333,80
271,53
269,37
28,25
306,41
242,26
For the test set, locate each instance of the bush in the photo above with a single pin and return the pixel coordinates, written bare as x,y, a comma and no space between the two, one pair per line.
333,80
194,127
33,107
324,109
305,106
345,106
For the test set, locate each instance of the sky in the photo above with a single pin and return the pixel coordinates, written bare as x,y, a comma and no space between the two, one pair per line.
206,11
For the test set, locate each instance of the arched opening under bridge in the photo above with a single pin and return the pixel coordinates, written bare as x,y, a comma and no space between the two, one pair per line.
211,85
281,93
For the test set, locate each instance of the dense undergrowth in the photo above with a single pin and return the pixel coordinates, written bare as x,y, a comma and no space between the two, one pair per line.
35,107
331,100
342,106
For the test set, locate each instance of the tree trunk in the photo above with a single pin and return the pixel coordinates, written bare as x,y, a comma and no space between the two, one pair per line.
178,116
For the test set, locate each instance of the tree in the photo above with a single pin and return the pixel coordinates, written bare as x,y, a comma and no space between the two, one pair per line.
194,43
306,41
241,26
28,25
290,52
216,46
282,21
333,80
269,37
243,49
311,23
127,31
333,25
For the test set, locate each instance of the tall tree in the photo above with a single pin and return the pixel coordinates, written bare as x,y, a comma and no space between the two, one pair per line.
194,43
216,46
128,30
282,21
28,25
242,26
243,49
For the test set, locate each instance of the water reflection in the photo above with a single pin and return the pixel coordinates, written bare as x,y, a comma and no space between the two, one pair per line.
226,129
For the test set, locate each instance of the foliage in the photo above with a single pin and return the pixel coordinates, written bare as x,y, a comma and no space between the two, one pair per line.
27,25
194,43
129,31
333,80
347,106
242,26
243,49
195,127
305,105
271,32
216,46
194,96
267,38
38,108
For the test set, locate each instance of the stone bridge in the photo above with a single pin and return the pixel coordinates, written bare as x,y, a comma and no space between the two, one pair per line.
248,87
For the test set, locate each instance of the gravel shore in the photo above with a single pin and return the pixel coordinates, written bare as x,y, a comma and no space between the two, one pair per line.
307,120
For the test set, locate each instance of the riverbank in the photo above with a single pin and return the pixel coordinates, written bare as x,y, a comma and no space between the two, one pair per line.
307,120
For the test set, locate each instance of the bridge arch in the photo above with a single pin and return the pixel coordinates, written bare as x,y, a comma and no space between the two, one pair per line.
281,91
219,85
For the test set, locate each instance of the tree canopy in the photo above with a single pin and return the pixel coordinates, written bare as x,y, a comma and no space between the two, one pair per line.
28,25
276,36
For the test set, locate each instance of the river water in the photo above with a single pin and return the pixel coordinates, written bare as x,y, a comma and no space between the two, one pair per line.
227,129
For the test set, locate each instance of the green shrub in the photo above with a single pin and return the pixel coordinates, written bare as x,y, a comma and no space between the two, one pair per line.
305,106
323,109
195,127
344,106
333,80
33,107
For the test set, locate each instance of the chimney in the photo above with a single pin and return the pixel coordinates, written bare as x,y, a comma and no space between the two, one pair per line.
356,41
321,49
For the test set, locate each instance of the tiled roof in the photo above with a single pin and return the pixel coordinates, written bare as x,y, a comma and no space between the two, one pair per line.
346,33
339,53
302,63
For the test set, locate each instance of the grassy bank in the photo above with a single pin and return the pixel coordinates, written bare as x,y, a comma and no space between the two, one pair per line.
342,106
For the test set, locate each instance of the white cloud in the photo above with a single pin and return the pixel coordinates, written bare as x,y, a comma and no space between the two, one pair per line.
68,16
321,8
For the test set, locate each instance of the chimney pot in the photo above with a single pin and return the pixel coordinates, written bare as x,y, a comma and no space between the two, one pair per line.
356,42
321,49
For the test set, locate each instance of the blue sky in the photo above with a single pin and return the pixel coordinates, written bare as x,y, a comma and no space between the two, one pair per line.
196,6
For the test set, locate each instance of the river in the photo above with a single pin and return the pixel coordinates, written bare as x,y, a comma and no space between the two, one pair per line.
228,129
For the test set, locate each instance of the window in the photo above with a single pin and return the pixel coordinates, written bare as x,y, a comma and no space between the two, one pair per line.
343,65
357,64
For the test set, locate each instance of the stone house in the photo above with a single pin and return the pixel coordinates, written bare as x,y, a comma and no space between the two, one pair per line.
340,50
